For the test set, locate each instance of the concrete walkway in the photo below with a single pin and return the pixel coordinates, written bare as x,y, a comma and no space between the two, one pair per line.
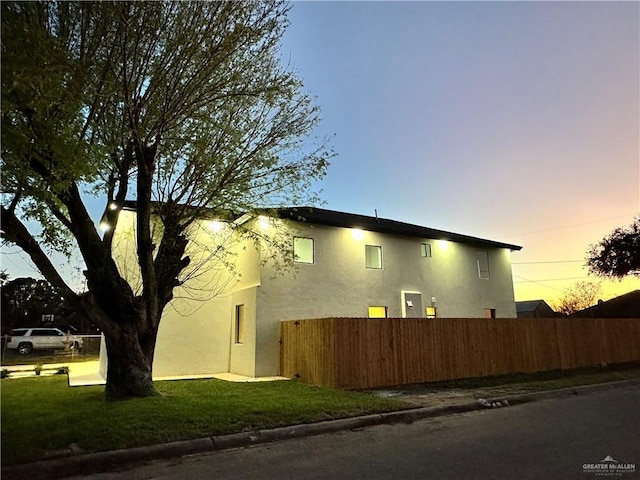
106,461
88,373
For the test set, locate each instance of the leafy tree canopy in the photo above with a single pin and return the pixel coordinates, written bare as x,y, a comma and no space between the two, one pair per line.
618,254
182,107
25,302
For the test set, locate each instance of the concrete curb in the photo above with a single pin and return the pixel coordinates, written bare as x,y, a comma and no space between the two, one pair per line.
105,461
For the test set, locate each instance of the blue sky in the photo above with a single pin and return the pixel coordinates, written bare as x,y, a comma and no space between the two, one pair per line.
514,121
517,121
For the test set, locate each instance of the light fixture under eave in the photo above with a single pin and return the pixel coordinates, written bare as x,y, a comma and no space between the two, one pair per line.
357,234
443,244
105,227
264,222
216,226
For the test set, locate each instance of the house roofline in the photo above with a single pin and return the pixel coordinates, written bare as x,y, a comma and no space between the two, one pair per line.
334,218
382,225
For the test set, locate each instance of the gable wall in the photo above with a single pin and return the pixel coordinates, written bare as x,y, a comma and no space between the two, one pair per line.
197,331
337,284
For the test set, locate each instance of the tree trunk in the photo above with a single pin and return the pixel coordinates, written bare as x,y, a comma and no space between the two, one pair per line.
130,362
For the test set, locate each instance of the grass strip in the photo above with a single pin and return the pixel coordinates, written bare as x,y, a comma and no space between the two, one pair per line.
537,381
44,418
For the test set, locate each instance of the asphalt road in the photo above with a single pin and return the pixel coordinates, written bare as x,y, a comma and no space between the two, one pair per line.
550,439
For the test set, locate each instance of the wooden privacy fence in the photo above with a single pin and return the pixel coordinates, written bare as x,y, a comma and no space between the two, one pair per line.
363,353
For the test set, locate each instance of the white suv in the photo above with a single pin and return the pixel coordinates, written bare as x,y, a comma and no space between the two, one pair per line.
24,340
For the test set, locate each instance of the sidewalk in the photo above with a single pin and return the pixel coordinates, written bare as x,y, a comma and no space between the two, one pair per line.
106,461
88,373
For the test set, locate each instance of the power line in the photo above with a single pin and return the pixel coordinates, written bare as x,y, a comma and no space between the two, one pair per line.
537,283
550,261
548,279
566,226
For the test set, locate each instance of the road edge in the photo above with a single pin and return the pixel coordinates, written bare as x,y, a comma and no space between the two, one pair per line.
99,462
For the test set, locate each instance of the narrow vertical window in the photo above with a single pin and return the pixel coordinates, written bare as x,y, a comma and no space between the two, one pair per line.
373,256
303,250
239,324
483,264
425,250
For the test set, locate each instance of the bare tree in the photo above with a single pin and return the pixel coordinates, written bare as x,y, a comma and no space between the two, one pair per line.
579,296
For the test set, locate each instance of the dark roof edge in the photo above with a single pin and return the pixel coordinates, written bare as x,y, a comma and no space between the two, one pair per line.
335,218
382,225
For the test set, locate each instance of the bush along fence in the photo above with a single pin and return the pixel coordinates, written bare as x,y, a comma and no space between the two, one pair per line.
354,353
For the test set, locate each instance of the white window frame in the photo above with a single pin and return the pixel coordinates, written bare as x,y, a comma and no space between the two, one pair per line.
481,256
367,257
298,259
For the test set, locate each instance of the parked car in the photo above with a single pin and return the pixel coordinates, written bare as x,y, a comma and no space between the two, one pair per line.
64,327
25,340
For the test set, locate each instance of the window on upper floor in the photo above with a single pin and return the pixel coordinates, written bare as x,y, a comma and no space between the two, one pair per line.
303,250
425,250
373,256
483,264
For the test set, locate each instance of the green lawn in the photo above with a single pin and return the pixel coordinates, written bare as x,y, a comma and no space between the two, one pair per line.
42,417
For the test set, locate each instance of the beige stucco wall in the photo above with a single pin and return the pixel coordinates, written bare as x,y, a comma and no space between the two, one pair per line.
196,333
196,344
211,316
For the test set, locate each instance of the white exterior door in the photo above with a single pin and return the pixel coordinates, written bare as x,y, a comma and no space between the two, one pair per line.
412,305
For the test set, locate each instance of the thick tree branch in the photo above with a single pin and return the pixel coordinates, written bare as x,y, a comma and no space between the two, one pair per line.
145,159
14,231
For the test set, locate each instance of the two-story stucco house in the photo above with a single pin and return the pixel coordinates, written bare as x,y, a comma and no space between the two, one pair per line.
346,265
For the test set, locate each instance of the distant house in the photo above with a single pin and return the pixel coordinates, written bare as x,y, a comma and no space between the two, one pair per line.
624,306
346,265
534,309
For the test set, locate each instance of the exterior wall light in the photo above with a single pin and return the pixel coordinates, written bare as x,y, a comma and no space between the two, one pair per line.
215,226
264,222
105,227
443,244
357,234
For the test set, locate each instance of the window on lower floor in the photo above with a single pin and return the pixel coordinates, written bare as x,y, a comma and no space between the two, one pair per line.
377,312
431,312
303,250
373,256
489,313
239,324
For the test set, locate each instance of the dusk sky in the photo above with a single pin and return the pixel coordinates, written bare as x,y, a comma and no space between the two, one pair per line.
514,121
